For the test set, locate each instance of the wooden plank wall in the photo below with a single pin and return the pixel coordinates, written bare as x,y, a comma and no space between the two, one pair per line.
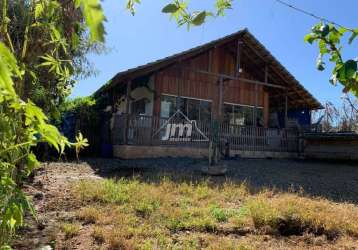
180,81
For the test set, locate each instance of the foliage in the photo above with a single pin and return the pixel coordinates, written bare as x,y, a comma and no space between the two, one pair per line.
80,106
178,9
328,38
84,111
23,124
80,144
49,41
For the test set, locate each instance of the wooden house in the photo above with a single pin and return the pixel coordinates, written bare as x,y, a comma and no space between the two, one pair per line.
233,82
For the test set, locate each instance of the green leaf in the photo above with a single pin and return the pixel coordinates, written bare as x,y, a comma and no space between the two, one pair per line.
39,9
310,38
350,68
334,36
342,30
325,29
130,5
170,8
199,19
6,59
94,17
320,64
322,47
353,36
9,59
346,71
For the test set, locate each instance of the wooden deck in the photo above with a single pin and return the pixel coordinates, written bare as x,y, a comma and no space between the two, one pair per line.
155,131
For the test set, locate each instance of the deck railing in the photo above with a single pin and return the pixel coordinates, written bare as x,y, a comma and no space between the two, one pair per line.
150,130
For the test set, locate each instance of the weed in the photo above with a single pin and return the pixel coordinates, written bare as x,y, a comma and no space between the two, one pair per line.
219,214
146,207
98,234
70,229
89,215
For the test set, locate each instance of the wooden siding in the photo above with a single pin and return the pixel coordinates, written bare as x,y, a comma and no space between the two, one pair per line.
182,79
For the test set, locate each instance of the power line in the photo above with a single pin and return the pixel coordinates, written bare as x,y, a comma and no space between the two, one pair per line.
310,14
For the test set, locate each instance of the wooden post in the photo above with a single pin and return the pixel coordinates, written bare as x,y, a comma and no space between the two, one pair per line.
210,63
238,59
178,80
255,108
128,100
286,107
221,96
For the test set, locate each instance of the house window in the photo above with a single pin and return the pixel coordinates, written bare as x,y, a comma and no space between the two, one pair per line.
138,107
168,106
242,115
194,109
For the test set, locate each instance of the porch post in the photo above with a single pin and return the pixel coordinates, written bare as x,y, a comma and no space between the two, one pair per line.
255,108
286,107
221,98
238,58
177,81
128,93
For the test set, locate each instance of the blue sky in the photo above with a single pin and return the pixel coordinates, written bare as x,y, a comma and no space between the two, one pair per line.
150,35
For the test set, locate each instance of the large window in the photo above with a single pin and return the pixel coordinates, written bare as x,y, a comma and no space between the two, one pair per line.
243,115
194,109
168,106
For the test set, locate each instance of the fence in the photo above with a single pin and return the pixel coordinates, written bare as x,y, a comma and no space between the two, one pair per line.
150,130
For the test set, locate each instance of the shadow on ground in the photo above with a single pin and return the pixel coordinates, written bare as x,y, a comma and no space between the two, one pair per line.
334,181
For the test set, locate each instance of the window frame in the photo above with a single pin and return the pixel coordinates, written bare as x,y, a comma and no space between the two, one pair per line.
253,122
186,106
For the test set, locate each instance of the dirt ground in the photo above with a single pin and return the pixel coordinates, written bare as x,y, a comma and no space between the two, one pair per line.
51,194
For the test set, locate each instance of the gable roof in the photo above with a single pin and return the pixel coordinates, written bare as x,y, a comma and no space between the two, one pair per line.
248,39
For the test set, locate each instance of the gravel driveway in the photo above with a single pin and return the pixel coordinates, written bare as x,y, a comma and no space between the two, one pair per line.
335,181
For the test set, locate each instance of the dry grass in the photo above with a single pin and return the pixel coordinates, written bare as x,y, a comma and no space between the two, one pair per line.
70,229
129,214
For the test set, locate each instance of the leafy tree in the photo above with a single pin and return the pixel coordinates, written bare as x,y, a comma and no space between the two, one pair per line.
328,38
49,40
23,124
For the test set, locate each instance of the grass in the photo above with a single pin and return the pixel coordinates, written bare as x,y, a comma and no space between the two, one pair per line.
70,229
129,214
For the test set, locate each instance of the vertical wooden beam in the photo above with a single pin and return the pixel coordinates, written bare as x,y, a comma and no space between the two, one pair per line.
266,102
266,109
286,110
256,101
221,97
178,80
238,58
210,62
128,100
266,74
